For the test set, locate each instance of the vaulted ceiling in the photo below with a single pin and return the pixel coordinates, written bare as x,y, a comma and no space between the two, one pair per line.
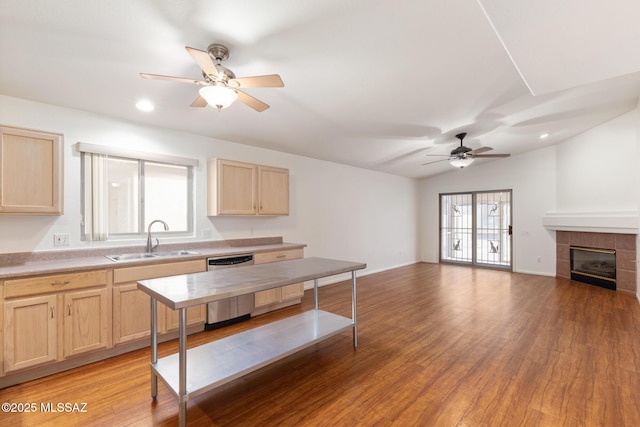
369,83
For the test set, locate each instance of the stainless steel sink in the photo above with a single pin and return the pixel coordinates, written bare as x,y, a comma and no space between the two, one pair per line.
130,257
176,253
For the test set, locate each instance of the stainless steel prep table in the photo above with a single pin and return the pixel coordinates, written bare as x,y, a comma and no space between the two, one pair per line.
218,362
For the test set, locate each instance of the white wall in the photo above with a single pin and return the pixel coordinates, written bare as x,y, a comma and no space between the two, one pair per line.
338,211
601,162
596,169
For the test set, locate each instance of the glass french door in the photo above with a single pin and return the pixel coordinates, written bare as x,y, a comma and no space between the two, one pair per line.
475,228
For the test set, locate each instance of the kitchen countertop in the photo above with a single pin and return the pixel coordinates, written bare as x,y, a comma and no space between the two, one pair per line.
59,262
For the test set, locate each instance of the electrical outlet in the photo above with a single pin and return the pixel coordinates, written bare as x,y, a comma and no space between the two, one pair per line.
206,233
61,239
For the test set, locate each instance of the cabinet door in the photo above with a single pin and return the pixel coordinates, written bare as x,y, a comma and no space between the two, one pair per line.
273,296
86,321
30,332
131,313
292,291
195,315
232,188
270,296
273,191
30,172
132,307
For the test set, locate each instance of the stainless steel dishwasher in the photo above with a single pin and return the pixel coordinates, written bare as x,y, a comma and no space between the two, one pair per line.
230,310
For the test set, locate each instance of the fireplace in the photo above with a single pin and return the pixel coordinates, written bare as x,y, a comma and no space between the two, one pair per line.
625,254
593,266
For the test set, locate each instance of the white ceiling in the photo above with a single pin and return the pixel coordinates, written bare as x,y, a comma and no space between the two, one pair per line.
369,83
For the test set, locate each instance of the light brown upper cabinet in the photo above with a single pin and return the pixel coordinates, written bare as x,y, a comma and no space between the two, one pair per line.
273,191
30,172
238,188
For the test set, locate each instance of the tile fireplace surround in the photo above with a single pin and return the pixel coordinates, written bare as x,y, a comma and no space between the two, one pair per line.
624,244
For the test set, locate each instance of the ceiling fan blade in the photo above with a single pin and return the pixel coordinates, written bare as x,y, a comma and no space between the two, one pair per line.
204,61
491,155
271,80
199,102
252,102
480,150
171,78
437,161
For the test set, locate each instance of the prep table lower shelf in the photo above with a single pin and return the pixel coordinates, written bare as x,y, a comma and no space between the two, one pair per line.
219,362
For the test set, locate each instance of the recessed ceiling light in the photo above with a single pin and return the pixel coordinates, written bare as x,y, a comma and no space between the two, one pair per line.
544,135
144,105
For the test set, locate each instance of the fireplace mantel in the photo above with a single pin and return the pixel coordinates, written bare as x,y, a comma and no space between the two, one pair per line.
623,222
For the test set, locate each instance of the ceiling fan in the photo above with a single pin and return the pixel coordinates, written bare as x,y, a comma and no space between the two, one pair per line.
220,87
462,156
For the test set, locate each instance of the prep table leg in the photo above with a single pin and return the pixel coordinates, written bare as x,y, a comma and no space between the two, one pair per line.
353,309
154,347
315,293
182,361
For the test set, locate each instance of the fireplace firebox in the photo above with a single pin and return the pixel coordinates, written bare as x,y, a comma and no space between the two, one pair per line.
594,266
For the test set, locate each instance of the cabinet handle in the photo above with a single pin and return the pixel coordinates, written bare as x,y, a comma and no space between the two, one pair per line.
52,311
69,308
66,282
281,256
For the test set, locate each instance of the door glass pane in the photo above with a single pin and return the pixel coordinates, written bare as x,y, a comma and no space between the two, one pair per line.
456,227
166,195
123,195
493,217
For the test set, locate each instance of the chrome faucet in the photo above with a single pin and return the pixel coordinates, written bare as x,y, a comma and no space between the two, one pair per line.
150,246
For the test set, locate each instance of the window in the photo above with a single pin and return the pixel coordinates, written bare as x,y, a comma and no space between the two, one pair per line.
122,194
475,228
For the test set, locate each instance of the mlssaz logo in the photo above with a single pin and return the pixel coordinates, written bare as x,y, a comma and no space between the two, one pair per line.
63,407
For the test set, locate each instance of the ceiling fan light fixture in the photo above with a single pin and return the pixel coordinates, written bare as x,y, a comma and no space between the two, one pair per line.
144,105
461,162
218,96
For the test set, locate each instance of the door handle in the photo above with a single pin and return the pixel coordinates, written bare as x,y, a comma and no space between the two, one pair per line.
510,230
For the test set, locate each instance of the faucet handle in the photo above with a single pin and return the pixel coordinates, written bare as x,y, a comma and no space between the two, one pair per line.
156,245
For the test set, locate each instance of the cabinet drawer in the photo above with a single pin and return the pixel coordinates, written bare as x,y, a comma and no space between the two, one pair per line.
143,272
266,257
53,283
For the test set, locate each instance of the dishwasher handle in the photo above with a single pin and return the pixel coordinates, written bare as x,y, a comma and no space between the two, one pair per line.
230,260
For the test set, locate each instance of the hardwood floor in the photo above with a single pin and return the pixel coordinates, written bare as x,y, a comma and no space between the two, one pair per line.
438,346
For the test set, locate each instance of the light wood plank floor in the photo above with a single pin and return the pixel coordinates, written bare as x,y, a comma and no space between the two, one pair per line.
438,346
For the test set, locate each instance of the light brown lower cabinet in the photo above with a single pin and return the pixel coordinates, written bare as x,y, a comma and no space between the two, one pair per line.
132,307
131,313
45,328
272,299
86,319
30,332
